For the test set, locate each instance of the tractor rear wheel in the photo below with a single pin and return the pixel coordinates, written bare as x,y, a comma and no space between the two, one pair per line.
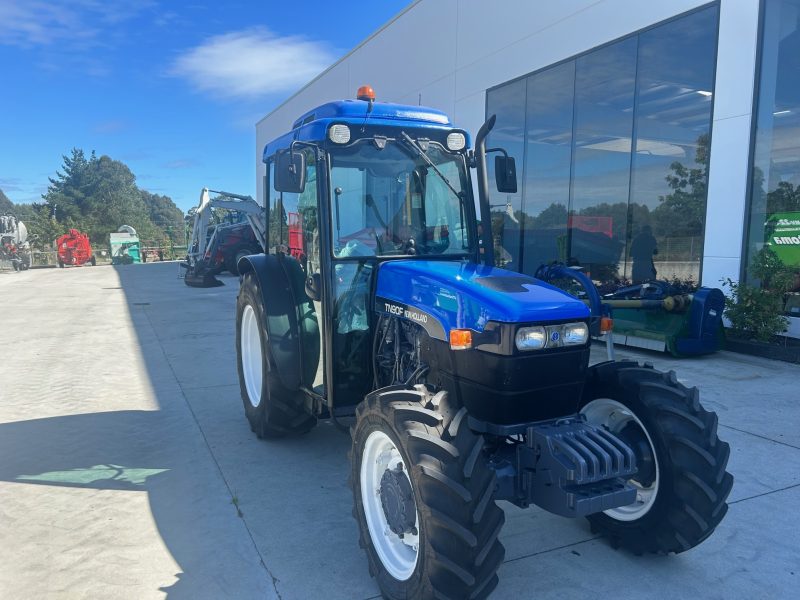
681,482
423,494
272,409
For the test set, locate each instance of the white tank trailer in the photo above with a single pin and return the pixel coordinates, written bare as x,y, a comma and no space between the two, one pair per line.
15,245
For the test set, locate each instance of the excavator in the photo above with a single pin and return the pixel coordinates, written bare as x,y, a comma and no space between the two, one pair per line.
202,264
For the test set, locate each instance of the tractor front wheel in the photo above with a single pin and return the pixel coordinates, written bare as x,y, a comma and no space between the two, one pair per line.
681,484
232,260
271,408
424,497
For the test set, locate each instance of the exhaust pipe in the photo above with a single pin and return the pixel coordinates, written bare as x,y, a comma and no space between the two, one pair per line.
483,190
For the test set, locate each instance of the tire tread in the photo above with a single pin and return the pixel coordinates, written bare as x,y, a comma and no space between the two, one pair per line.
695,486
455,489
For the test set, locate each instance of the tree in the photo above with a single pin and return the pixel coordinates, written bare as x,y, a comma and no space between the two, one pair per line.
98,195
6,206
784,198
682,213
67,192
554,216
164,215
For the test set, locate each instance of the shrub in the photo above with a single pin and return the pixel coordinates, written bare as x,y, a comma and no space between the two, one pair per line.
757,311
754,312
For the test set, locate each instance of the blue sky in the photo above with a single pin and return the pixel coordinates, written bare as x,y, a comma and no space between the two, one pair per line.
173,89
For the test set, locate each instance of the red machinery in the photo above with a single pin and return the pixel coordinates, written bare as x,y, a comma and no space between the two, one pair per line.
296,246
74,249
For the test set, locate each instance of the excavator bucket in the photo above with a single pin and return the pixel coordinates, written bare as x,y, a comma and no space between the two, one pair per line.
200,278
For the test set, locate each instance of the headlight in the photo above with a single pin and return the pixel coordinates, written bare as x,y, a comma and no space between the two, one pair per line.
530,338
551,336
575,333
339,134
456,141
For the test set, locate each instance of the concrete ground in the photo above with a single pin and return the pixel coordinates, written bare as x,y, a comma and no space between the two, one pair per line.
127,469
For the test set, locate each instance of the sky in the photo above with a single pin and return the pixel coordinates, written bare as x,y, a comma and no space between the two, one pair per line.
172,89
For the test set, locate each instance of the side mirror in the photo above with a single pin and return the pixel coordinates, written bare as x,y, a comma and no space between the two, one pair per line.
290,172
313,287
505,174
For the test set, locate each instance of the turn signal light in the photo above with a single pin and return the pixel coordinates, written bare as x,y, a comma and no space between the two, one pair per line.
365,92
606,324
460,339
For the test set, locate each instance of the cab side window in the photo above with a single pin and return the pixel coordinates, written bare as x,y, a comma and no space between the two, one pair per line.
293,220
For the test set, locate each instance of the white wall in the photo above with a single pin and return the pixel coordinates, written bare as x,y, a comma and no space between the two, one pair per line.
730,140
447,53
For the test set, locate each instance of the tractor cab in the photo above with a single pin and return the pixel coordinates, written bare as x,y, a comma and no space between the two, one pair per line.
377,302
373,202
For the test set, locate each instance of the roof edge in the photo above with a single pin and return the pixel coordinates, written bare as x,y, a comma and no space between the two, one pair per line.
341,60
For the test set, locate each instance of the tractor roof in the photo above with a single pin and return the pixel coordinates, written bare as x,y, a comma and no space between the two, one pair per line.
313,125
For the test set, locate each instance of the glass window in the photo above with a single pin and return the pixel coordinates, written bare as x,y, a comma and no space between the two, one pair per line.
508,103
604,90
775,192
670,161
615,156
293,227
391,201
548,161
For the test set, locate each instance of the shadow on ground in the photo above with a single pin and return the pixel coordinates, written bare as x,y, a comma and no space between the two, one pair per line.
246,518
289,496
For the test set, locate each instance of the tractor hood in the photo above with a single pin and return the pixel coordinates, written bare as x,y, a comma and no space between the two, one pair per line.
445,295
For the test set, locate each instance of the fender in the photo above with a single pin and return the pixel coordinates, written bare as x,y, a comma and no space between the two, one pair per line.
292,328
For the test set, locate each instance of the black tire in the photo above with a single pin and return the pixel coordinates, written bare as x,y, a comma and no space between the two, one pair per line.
278,412
60,264
689,500
459,522
232,259
93,260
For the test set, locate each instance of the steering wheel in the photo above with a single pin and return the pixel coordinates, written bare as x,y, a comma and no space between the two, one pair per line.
410,247
356,248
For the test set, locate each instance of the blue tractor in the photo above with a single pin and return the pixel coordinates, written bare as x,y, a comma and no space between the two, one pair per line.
377,305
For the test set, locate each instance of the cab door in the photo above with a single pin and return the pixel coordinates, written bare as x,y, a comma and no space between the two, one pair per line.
294,232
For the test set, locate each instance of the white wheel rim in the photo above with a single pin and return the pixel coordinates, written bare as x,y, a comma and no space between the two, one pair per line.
398,555
614,416
252,359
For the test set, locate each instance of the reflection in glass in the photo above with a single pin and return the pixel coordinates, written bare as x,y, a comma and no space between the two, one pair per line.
548,160
615,156
352,343
670,163
508,103
604,90
389,201
775,191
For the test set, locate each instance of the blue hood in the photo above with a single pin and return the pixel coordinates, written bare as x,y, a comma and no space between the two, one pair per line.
464,295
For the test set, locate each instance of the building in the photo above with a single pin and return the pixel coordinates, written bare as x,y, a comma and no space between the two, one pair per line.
647,135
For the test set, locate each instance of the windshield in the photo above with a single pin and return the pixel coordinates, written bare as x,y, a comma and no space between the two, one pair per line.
389,201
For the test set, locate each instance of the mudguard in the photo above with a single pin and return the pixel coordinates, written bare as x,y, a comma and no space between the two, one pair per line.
292,327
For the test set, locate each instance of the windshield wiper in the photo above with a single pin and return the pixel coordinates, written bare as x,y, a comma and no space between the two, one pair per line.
421,153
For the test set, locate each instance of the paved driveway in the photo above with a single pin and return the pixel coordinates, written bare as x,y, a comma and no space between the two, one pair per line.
127,469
